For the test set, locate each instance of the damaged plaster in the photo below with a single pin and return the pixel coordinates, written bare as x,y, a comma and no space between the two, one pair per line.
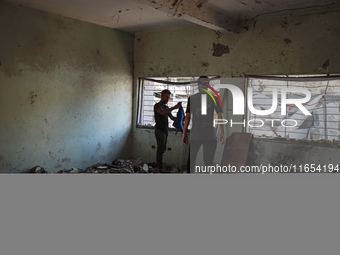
61,83
294,44
220,49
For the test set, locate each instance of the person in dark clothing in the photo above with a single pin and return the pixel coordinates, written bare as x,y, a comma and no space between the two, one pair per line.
202,132
162,112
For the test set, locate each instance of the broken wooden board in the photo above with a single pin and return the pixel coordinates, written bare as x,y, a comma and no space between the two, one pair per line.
236,150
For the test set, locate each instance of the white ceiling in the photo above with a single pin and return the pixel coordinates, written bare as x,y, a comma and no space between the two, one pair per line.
146,15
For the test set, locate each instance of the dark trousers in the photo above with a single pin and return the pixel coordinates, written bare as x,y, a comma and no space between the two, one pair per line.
162,139
209,148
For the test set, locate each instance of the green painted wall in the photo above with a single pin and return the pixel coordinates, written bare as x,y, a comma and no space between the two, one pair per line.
296,44
65,91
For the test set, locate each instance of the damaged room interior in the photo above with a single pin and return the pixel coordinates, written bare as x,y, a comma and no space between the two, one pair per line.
78,81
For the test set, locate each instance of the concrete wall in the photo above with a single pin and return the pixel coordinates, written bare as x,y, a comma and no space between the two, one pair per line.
298,44
285,152
65,91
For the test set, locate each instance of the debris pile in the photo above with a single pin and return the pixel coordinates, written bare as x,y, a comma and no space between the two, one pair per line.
37,170
118,166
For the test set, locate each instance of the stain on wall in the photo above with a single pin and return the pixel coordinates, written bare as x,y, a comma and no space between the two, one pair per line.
63,83
326,64
294,44
33,97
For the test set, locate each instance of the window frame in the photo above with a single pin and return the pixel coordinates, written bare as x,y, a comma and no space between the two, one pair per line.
310,77
140,94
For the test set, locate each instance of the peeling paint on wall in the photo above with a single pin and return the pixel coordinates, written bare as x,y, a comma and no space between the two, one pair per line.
220,49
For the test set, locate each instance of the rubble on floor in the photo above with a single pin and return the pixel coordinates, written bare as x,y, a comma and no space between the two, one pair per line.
37,170
118,166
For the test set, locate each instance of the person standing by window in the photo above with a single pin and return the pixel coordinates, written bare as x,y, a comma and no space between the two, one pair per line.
203,132
162,113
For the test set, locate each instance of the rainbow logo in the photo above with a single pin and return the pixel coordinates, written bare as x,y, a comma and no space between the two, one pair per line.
213,90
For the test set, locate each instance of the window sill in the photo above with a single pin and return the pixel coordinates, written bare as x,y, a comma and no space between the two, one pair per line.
152,127
321,143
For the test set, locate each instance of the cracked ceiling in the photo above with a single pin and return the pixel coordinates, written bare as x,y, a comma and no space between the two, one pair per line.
147,15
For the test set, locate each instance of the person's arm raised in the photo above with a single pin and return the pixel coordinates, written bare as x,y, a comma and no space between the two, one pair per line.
167,111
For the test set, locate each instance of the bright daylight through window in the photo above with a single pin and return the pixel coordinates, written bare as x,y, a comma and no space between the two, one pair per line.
324,106
150,93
